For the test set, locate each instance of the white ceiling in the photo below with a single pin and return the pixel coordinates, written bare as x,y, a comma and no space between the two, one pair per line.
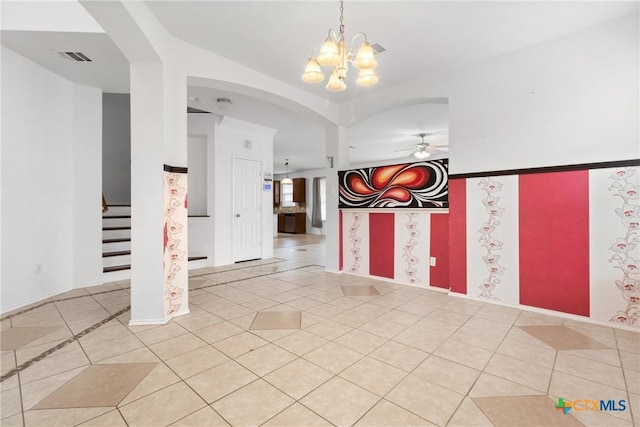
276,38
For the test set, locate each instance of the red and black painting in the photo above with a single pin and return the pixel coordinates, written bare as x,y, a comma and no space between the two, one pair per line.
408,185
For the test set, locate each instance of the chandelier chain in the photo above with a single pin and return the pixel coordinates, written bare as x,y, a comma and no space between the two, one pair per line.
341,20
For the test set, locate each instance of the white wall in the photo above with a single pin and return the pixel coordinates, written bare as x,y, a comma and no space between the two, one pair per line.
87,186
40,162
569,100
116,148
230,143
197,164
201,230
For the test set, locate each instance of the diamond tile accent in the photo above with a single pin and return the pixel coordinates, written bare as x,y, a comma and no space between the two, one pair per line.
116,381
15,338
563,338
524,411
359,291
270,320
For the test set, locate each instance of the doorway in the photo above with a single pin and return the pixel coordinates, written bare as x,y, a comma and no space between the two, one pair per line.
247,209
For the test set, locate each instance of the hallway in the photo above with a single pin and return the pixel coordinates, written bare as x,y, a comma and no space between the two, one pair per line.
280,342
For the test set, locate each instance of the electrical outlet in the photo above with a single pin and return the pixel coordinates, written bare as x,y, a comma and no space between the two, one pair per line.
432,261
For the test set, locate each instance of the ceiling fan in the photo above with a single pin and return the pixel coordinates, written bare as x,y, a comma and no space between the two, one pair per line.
422,150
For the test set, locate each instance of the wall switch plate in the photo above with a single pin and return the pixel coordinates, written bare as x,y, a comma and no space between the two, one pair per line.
432,261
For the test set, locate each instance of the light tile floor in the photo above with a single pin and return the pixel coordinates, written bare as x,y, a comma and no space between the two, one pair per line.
280,342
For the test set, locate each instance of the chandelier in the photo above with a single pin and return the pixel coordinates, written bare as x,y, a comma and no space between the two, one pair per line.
335,53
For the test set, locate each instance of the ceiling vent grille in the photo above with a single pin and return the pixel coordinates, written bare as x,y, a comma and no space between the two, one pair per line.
377,48
75,56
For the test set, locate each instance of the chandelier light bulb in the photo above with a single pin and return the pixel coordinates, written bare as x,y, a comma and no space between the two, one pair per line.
329,53
312,72
365,58
335,83
367,77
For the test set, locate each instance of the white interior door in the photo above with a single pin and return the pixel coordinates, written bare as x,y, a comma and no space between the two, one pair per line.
247,209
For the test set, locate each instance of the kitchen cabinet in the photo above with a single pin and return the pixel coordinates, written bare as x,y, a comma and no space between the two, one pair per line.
299,190
295,223
276,194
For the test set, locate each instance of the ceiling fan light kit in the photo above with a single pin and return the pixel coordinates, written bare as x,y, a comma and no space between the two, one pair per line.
421,153
423,150
335,53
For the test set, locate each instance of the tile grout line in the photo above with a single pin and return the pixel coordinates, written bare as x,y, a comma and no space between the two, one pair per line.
61,345
254,277
75,337
44,303
279,260
26,310
624,380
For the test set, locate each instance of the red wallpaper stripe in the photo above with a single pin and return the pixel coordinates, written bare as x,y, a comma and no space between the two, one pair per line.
381,244
439,275
554,241
458,235
341,242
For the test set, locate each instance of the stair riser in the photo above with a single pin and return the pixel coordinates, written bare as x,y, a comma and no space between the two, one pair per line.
116,222
115,234
116,247
112,261
118,210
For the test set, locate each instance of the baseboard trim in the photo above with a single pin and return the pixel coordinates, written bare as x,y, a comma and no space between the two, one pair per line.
148,322
552,313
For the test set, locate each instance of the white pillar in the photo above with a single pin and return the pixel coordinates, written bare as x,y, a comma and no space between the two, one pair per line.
337,151
159,268
147,216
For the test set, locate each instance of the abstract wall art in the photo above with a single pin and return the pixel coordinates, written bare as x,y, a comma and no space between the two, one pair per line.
408,185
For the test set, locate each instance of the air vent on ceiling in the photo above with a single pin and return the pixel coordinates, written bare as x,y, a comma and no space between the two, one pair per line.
377,48
75,56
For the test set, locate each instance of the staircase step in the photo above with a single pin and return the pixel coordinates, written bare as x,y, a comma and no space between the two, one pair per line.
116,216
116,228
118,210
196,258
116,233
116,268
119,221
120,239
116,253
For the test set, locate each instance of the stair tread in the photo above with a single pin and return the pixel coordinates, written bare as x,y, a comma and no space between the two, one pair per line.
115,253
197,258
116,268
116,228
116,240
115,216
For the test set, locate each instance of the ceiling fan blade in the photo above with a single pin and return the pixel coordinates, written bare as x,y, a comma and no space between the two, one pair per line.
404,149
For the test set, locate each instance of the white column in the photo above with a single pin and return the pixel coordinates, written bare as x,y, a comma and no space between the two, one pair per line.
147,216
337,150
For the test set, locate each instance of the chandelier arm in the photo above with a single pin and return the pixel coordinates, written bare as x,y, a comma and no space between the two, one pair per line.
333,35
356,35
314,49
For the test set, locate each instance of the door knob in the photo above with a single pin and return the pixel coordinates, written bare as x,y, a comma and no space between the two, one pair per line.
237,215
